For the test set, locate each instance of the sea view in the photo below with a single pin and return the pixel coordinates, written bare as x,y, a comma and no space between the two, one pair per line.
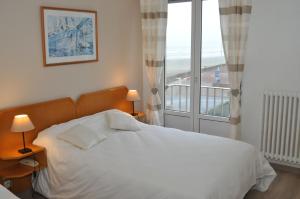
178,60
178,69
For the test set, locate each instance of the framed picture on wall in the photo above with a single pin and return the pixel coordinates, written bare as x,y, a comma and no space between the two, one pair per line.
69,36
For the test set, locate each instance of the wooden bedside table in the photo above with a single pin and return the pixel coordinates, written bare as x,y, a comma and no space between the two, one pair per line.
19,174
140,117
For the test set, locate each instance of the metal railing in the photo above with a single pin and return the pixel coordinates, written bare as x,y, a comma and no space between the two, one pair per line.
214,101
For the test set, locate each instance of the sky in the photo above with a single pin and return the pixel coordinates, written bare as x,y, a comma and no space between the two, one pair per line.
180,25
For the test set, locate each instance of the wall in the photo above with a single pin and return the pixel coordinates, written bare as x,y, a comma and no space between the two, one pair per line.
272,61
24,79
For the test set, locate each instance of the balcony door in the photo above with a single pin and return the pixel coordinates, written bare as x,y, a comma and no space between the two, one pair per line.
196,80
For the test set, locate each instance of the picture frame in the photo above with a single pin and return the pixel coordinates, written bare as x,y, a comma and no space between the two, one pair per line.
69,36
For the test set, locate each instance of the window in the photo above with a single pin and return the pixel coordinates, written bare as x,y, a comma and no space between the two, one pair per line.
213,90
214,75
178,57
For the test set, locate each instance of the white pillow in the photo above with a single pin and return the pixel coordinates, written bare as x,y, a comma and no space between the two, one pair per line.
121,121
98,123
81,137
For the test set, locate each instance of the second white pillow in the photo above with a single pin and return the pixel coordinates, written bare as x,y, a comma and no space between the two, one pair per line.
121,121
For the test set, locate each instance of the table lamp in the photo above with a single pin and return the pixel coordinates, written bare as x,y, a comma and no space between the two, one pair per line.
22,123
133,96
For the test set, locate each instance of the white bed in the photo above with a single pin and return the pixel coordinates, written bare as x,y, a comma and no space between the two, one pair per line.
153,163
5,194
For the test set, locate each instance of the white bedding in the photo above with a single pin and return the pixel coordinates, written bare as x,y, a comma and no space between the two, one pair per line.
5,194
153,163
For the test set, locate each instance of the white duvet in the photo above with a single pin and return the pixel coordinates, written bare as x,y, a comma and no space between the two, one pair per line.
5,194
153,163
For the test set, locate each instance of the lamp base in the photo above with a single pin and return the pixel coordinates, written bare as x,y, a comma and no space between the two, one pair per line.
134,114
25,150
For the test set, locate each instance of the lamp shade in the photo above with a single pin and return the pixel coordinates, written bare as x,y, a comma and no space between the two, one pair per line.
133,95
22,123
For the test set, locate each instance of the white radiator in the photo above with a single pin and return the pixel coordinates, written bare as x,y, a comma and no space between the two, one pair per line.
281,127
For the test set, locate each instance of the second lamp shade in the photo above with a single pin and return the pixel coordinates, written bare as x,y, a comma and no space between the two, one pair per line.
133,95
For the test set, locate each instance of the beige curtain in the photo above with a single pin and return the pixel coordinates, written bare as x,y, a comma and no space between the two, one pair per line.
154,24
235,17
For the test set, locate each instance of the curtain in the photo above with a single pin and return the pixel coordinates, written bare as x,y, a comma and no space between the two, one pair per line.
154,25
234,18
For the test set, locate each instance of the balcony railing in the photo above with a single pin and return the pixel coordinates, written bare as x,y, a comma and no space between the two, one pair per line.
214,101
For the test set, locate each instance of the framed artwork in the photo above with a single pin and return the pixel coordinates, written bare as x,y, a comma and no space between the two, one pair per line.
69,36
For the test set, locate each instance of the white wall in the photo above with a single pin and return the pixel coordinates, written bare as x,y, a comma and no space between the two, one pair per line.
272,61
24,79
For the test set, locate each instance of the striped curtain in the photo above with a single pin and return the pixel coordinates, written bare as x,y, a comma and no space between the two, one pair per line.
154,25
235,17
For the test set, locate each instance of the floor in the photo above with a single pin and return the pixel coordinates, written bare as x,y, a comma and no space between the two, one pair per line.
28,195
285,186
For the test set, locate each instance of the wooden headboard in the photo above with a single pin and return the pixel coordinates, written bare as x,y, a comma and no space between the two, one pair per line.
94,102
43,115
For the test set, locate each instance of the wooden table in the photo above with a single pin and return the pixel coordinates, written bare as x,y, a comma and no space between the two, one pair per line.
140,116
19,174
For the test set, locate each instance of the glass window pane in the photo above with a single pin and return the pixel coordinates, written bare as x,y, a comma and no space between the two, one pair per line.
178,57
214,74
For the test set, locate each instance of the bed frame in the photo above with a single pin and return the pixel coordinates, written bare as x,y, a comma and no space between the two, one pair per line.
45,114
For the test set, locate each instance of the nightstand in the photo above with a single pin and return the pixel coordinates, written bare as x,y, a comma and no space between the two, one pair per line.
18,174
140,117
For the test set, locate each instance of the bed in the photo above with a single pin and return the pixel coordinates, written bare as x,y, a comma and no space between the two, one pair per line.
152,163
5,194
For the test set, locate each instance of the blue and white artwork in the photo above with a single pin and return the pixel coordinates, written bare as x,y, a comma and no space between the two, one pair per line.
70,36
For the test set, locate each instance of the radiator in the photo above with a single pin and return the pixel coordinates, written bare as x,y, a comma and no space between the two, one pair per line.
280,141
